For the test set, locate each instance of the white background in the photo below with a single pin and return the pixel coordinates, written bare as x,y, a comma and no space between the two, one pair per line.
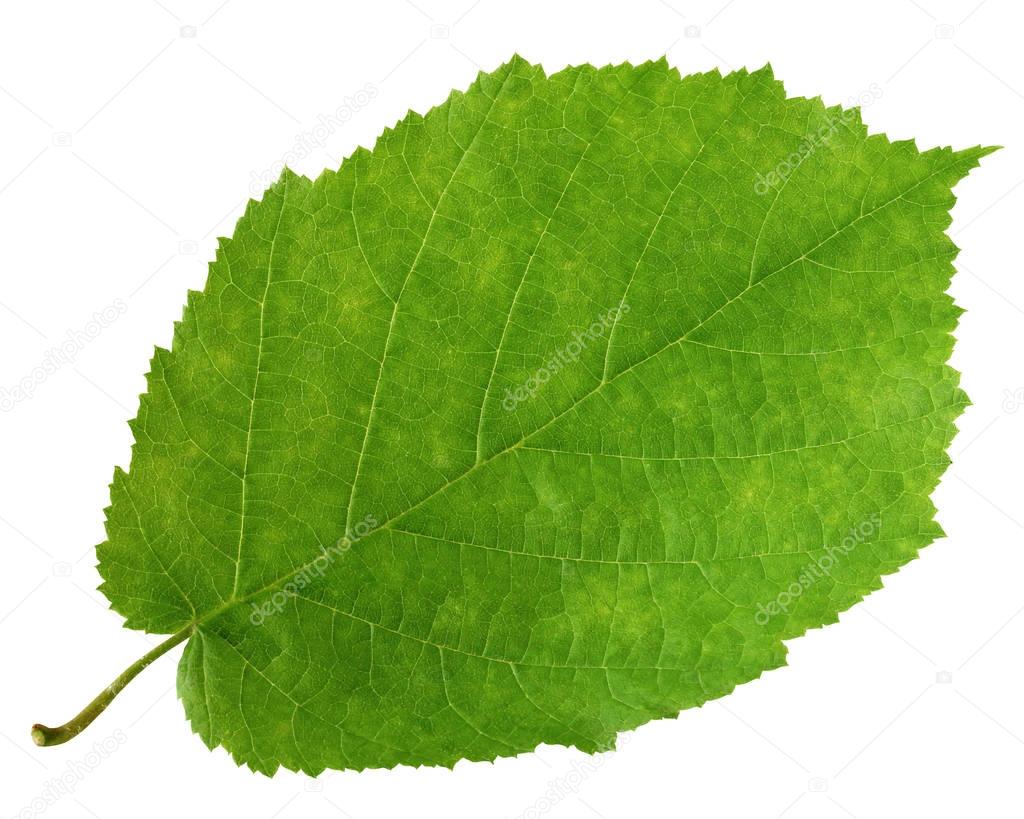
131,134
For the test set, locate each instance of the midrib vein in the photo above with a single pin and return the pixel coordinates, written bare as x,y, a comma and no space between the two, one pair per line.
526,438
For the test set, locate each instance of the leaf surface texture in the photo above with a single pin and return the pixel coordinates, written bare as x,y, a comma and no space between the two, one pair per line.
768,375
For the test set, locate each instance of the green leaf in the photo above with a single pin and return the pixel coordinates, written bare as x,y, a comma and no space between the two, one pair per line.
555,413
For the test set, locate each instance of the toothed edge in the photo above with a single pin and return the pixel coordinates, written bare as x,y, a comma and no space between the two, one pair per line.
971,159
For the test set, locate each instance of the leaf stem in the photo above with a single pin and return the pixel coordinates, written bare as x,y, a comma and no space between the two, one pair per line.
42,735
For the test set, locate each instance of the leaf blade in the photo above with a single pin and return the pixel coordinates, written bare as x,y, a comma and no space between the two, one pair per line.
763,380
